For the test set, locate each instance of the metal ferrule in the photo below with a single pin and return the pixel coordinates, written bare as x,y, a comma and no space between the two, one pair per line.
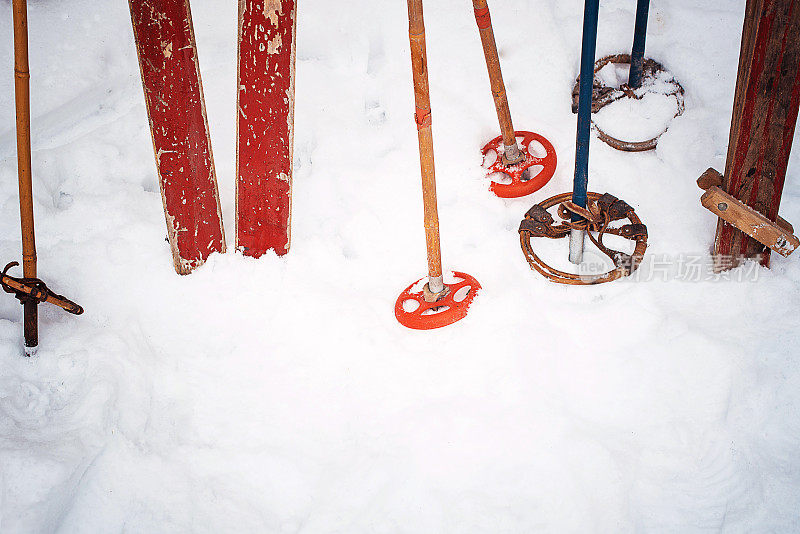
576,239
512,154
436,284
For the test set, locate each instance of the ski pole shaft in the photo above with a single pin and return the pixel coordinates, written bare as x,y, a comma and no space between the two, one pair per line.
639,35
484,21
422,116
22,94
580,183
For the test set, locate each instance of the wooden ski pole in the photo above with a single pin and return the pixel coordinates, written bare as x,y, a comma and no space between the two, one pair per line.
422,116
512,154
22,94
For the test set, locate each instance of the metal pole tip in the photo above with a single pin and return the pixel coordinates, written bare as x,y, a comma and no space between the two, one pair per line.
576,239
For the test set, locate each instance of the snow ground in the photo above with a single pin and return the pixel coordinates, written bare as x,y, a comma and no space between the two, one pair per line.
281,395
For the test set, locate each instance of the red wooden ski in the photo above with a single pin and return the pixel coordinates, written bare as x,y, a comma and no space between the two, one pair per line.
173,94
265,125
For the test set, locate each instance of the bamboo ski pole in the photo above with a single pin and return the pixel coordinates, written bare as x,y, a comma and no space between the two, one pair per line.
29,290
433,304
512,154
581,180
637,52
22,94
422,116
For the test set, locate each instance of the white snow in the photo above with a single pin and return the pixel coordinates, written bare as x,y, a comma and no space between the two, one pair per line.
281,395
629,119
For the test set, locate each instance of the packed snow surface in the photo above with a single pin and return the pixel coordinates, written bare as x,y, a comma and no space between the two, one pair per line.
281,395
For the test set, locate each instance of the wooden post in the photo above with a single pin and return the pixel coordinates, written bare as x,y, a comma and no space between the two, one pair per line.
765,110
422,116
22,94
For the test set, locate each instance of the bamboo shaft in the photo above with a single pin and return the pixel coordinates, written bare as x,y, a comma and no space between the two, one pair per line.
22,94
484,22
419,68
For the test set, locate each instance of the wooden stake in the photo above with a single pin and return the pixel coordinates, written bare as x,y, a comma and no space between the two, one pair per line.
765,111
512,153
22,94
419,68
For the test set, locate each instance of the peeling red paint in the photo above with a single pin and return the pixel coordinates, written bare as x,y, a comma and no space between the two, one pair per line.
265,125
174,97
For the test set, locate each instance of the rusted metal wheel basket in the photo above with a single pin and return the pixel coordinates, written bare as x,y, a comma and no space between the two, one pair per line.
597,218
603,95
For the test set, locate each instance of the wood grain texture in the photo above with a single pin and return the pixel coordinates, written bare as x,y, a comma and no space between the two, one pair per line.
265,125
173,94
729,209
712,177
764,117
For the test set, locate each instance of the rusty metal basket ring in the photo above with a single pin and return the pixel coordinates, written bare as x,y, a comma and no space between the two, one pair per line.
601,212
603,95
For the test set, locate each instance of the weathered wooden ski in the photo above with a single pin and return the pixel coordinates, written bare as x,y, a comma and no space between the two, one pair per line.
173,94
765,108
265,125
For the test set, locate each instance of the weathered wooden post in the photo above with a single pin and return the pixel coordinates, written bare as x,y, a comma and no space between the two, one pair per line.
765,111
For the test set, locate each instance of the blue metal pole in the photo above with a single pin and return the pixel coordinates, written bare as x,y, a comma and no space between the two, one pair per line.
639,35
580,183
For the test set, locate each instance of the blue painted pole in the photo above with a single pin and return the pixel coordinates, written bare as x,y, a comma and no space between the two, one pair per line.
639,35
581,181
